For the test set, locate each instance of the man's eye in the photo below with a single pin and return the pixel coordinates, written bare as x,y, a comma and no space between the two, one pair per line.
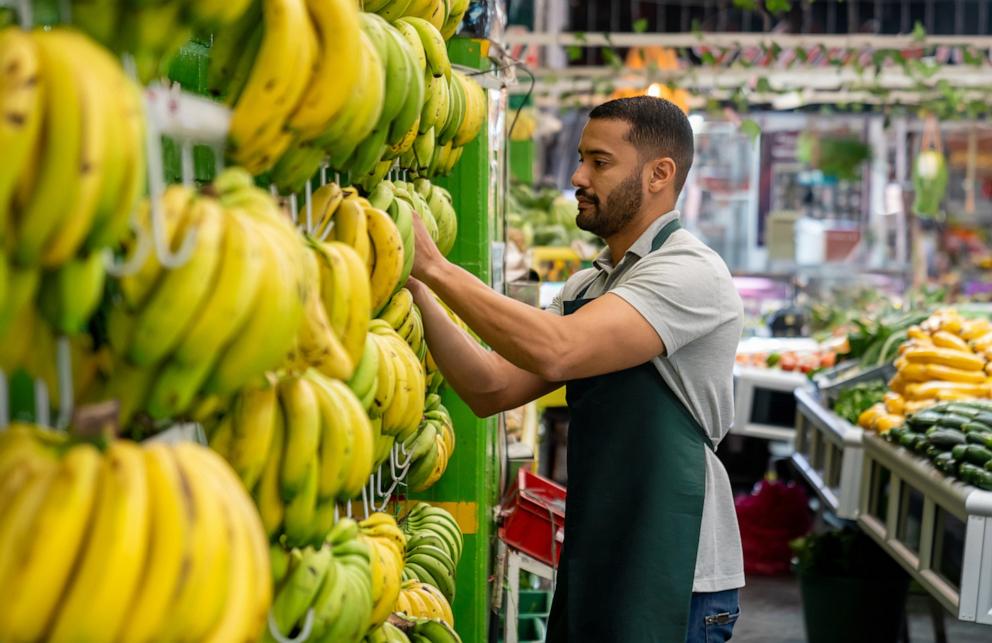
599,163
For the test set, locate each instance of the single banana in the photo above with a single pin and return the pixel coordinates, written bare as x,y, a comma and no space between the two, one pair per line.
435,48
388,264
386,377
252,424
56,186
336,442
266,493
168,549
398,308
21,100
335,73
301,408
351,227
300,511
53,539
365,373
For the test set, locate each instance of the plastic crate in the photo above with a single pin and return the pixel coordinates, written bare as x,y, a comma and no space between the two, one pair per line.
534,602
531,629
534,517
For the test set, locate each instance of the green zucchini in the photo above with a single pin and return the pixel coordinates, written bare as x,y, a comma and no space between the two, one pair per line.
933,452
976,476
945,439
976,426
977,454
959,451
963,409
985,417
982,439
894,435
946,463
923,419
953,421
922,445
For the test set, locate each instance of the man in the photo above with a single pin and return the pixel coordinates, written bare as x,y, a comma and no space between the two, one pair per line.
645,342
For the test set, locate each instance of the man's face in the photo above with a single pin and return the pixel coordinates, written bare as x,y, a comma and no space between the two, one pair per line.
609,183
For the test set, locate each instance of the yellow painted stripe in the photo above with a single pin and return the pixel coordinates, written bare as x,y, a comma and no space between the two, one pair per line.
465,513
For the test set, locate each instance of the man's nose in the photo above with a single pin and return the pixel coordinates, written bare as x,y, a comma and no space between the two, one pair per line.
579,177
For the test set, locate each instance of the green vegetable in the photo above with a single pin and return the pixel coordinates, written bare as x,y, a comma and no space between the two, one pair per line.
945,439
852,402
976,476
976,454
973,427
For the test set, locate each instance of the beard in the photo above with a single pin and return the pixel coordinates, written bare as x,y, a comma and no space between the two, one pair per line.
621,206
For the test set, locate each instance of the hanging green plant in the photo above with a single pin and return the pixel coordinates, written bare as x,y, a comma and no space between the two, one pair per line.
839,156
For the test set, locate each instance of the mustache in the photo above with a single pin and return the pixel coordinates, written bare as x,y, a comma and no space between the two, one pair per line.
582,194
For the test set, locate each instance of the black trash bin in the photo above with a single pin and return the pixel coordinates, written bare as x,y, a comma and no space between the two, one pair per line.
852,591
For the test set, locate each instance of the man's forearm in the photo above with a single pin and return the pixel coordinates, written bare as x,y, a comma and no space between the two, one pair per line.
467,366
527,337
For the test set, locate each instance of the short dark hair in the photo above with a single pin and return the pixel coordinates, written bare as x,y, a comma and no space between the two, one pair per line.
657,128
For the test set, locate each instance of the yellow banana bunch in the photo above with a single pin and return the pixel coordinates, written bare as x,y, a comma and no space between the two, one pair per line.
403,407
421,599
168,529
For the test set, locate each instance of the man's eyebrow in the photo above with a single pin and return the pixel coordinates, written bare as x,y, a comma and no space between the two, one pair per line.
595,152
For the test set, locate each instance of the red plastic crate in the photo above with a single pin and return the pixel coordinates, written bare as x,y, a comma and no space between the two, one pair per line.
534,517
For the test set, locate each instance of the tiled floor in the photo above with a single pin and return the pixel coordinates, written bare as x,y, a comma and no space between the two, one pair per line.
772,613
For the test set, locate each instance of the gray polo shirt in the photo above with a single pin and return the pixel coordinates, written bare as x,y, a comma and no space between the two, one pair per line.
684,290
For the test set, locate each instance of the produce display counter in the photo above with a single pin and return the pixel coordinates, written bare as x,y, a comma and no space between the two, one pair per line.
764,406
828,454
938,529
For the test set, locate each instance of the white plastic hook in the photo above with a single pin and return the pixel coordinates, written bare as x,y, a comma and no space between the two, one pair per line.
365,502
4,401
41,405
186,156
130,265
337,513
294,209
308,197
64,362
156,185
304,631
25,14
347,509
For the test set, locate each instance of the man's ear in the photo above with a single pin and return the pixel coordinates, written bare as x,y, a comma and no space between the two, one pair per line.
662,174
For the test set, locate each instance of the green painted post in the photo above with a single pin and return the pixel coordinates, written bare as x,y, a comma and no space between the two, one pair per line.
469,482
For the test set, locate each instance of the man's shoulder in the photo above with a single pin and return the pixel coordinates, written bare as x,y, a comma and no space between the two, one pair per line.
685,252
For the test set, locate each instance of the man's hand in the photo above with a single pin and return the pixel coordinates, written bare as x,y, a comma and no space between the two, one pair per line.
427,256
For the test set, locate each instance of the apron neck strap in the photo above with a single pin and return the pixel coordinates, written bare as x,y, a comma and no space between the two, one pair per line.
663,234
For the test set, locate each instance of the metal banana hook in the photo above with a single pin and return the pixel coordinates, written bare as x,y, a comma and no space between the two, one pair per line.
64,362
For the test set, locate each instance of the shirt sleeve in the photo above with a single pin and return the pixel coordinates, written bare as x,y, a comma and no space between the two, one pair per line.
682,293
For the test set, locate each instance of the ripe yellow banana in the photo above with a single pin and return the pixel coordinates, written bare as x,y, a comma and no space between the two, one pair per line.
168,549
111,562
337,440
398,308
363,445
348,264
231,295
250,588
74,223
182,291
351,227
21,102
55,188
276,311
279,76
174,204
318,345
387,248
324,202
335,70
266,492
52,540
302,414
251,424
386,379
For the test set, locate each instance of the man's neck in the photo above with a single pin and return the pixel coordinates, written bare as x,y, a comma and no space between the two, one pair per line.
621,242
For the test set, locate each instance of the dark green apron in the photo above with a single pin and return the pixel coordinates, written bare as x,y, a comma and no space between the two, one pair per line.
636,479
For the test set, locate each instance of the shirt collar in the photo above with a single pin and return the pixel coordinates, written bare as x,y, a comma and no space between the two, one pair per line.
641,246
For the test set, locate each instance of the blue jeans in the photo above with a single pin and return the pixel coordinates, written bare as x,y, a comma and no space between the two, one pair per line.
712,616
